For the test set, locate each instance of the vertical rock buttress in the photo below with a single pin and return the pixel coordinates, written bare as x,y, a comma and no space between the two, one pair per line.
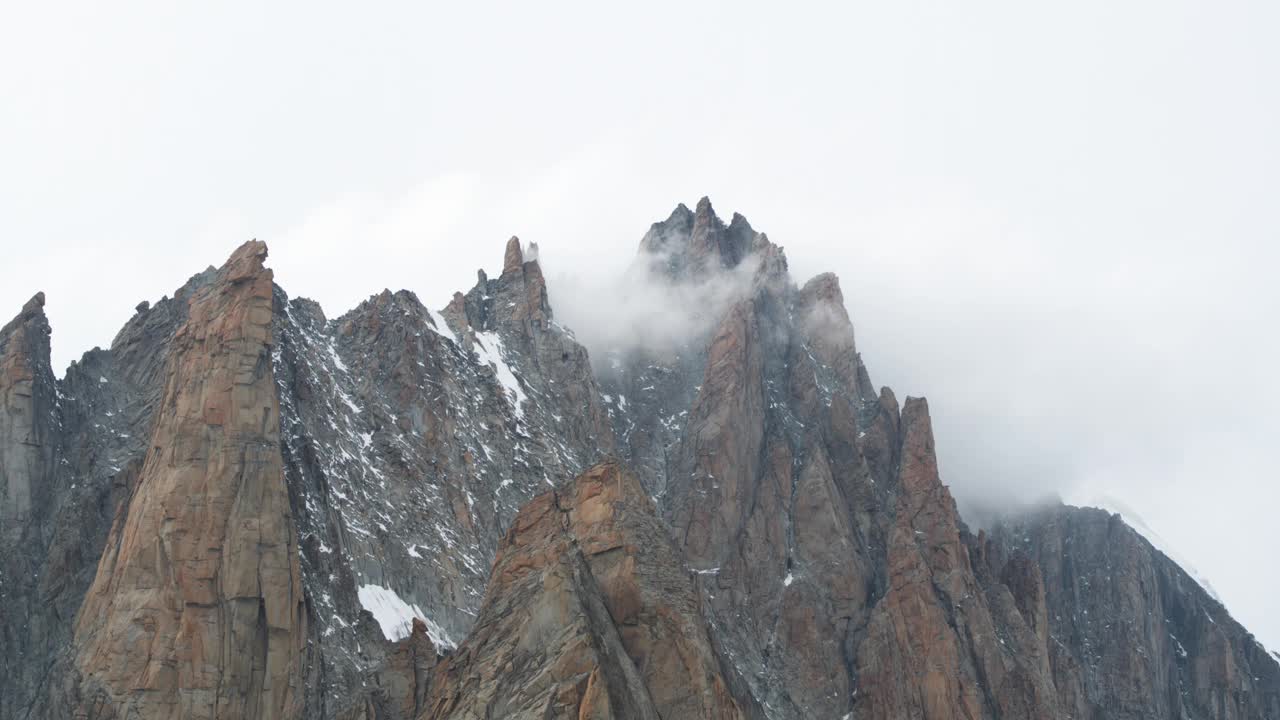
197,609
26,403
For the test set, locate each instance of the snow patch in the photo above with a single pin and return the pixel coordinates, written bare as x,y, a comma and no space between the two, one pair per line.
346,399
333,354
395,616
441,327
489,349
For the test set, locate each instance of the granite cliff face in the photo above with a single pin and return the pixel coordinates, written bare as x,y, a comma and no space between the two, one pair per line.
197,608
245,509
589,614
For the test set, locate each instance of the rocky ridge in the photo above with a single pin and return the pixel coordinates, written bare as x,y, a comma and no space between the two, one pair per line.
244,509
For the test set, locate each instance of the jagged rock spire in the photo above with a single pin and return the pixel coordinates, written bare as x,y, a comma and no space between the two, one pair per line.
34,306
26,400
202,572
513,258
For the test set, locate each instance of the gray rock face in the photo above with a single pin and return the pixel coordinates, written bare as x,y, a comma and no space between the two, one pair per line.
411,438
1129,633
767,522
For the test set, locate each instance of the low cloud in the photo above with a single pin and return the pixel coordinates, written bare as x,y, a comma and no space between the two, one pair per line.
642,308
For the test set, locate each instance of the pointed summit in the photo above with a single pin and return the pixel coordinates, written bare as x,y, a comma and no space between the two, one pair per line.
203,568
705,244
825,288
514,257
691,244
34,305
32,309
670,237
28,332
246,262
26,396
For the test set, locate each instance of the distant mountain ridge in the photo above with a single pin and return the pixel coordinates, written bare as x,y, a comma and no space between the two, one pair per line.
245,509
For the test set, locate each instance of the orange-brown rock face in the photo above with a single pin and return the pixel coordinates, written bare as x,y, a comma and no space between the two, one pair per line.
934,627
589,614
197,609
729,432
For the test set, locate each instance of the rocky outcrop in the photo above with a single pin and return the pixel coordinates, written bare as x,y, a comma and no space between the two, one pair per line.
407,674
589,614
197,607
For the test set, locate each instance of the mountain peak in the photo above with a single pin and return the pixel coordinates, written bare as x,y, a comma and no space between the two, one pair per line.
513,258
34,305
32,309
825,287
246,262
694,245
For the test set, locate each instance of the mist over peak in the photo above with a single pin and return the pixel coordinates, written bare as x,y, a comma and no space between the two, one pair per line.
687,270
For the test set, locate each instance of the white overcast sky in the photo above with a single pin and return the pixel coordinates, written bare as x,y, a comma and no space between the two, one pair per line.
1059,221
